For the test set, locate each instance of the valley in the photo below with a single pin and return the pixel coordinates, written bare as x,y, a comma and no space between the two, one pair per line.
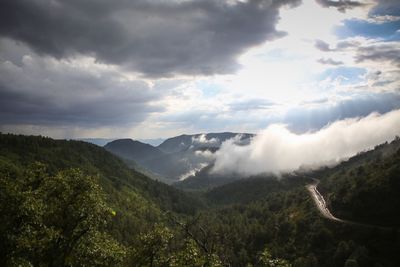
175,159
239,221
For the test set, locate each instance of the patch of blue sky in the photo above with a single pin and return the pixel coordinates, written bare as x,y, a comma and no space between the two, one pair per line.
347,75
348,105
279,55
209,88
387,31
272,55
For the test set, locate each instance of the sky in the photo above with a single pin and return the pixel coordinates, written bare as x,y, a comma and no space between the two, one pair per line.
158,68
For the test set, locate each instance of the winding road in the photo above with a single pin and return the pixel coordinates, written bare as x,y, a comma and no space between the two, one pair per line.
320,201
325,212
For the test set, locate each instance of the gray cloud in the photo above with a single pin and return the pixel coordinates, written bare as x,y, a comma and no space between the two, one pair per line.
329,61
347,44
43,91
340,46
341,5
155,38
380,53
385,7
322,46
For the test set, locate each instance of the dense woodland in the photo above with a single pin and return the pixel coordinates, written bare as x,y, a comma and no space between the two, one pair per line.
366,187
70,203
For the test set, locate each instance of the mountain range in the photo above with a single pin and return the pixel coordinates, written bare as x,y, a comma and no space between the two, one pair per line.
176,158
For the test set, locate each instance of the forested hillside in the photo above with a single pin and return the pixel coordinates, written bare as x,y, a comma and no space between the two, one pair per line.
366,188
70,203
135,203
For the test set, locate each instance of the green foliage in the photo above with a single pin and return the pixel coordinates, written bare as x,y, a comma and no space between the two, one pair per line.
154,247
55,220
265,260
354,187
134,202
253,188
113,173
161,247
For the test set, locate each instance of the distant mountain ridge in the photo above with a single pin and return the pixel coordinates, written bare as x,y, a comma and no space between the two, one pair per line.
177,157
96,141
133,150
104,141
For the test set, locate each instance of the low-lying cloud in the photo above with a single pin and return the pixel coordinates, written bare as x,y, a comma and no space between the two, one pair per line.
202,140
277,149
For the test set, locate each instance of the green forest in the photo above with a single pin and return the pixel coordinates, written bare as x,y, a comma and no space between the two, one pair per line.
71,203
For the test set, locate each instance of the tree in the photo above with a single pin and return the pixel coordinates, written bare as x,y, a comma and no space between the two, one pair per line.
56,220
154,249
265,259
160,247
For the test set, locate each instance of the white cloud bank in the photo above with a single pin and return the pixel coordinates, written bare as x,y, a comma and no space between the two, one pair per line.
276,149
202,140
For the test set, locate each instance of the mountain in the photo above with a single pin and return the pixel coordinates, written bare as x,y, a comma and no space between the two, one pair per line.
133,150
153,142
96,141
176,158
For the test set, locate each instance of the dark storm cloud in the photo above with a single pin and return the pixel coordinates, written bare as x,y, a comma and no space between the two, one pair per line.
44,91
341,5
155,38
380,53
109,109
329,61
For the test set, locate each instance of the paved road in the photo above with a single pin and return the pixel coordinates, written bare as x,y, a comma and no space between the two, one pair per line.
320,201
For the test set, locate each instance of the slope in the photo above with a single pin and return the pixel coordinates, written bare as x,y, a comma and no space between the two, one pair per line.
366,187
114,174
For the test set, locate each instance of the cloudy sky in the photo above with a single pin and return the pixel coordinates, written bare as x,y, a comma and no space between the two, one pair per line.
158,68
